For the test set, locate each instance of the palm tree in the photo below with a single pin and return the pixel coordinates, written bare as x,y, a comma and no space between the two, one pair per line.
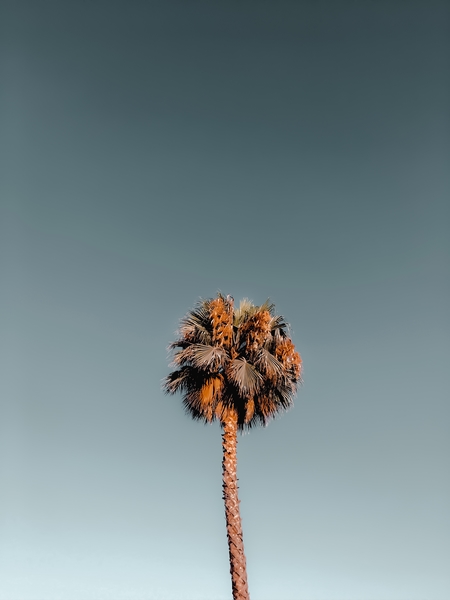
238,366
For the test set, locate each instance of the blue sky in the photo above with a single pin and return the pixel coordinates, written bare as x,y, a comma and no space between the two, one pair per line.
154,153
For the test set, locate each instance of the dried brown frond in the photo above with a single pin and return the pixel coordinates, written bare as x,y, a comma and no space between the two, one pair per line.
221,316
255,331
289,358
267,408
227,412
218,411
249,410
209,394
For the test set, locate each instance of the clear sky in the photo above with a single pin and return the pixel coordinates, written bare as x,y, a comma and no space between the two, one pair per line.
156,152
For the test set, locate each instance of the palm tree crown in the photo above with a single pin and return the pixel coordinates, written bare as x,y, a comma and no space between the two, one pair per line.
234,360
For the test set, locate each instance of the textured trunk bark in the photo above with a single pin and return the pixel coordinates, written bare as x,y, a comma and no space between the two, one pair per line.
238,567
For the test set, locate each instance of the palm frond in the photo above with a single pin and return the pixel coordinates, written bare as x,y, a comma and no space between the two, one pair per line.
193,408
269,366
244,375
290,359
278,323
181,380
201,401
211,390
268,306
196,334
246,308
195,326
202,356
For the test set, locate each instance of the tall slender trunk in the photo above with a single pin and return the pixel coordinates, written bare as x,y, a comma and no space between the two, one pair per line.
238,567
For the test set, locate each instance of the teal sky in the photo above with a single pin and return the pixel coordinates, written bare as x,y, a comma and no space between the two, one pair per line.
156,152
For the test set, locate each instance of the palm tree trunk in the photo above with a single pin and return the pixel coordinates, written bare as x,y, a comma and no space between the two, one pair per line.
238,567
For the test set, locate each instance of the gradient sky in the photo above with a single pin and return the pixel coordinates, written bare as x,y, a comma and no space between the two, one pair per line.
156,152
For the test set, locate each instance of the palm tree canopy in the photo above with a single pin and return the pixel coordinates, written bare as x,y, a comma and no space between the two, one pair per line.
234,359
